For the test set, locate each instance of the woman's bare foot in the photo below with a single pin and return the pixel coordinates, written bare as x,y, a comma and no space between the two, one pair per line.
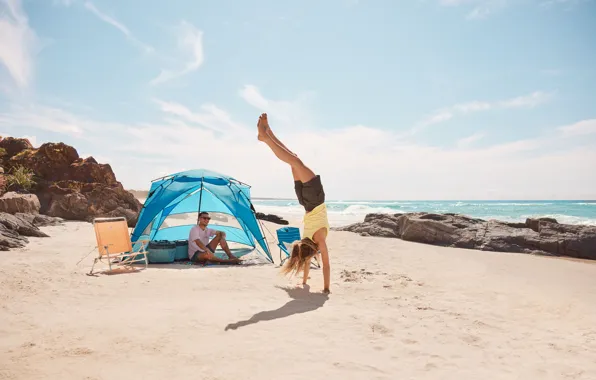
263,127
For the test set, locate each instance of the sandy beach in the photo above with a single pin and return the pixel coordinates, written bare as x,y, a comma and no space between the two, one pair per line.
397,310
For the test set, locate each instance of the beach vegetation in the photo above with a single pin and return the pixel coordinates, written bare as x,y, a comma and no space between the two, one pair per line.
20,179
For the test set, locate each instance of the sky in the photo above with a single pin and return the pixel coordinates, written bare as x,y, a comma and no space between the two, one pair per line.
385,99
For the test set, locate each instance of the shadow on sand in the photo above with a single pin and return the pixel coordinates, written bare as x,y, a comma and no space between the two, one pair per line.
302,301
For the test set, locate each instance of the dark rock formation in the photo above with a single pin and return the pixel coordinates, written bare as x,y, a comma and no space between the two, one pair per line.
539,236
68,186
12,146
271,218
14,228
39,220
13,202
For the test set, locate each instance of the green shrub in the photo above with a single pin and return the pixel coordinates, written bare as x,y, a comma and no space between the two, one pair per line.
20,179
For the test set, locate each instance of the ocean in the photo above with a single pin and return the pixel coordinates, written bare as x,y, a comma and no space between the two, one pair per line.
346,212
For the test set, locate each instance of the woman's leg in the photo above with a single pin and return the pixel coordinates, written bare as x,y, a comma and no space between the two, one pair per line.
300,171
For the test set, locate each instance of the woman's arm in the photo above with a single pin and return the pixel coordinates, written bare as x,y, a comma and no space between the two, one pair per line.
326,268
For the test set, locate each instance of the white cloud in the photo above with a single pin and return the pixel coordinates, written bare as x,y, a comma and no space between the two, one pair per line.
581,128
18,42
355,162
466,141
288,113
190,44
528,101
116,24
41,117
209,116
444,114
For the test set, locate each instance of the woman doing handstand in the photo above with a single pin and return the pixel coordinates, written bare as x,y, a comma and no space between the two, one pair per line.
311,196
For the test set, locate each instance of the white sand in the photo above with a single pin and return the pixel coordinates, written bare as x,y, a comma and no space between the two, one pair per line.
398,310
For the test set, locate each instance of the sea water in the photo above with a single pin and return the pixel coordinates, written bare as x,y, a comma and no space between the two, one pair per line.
346,212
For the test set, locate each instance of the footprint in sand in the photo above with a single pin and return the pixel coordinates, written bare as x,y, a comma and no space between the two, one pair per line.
355,275
472,340
378,328
79,351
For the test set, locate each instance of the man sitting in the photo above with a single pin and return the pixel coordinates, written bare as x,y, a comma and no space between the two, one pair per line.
201,250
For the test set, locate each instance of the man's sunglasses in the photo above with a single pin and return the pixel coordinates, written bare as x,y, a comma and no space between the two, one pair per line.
206,217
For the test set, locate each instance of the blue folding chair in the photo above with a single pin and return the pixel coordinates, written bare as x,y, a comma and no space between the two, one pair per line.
288,235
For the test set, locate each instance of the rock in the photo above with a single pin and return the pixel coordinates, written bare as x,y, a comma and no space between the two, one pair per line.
272,218
539,236
12,203
13,146
50,161
534,224
10,239
71,187
75,201
14,228
20,225
89,171
2,184
39,220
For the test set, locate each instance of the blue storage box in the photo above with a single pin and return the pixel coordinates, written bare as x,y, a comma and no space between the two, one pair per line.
161,251
181,250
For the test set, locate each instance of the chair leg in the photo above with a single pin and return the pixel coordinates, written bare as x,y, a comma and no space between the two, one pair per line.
93,266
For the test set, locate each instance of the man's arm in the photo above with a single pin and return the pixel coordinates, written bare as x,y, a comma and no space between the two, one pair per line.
213,232
202,246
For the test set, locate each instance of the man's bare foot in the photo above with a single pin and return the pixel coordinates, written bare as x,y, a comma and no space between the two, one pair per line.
263,127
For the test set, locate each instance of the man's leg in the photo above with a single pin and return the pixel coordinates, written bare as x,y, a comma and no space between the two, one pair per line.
300,171
220,240
204,257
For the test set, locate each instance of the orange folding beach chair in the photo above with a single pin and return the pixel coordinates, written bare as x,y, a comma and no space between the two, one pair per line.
113,243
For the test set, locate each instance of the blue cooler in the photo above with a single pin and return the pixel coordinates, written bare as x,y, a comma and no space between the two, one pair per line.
181,250
161,251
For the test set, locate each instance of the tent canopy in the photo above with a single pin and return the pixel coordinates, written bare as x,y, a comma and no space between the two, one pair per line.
195,191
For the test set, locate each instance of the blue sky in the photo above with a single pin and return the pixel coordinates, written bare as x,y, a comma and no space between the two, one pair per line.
427,99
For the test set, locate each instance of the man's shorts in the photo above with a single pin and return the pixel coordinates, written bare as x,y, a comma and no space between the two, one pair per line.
310,194
195,257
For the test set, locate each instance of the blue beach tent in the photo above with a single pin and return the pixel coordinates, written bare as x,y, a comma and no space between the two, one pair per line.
193,191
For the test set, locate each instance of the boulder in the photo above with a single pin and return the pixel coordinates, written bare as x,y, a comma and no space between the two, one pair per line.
89,171
50,162
13,146
11,239
40,220
75,201
68,186
13,230
271,218
539,236
12,203
21,226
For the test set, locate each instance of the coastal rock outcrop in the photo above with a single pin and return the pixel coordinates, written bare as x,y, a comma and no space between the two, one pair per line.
271,218
14,228
539,236
13,202
67,185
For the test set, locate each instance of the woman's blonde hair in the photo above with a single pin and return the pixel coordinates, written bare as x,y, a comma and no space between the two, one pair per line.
302,252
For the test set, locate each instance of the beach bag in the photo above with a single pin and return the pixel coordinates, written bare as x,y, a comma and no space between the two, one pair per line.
161,251
181,250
